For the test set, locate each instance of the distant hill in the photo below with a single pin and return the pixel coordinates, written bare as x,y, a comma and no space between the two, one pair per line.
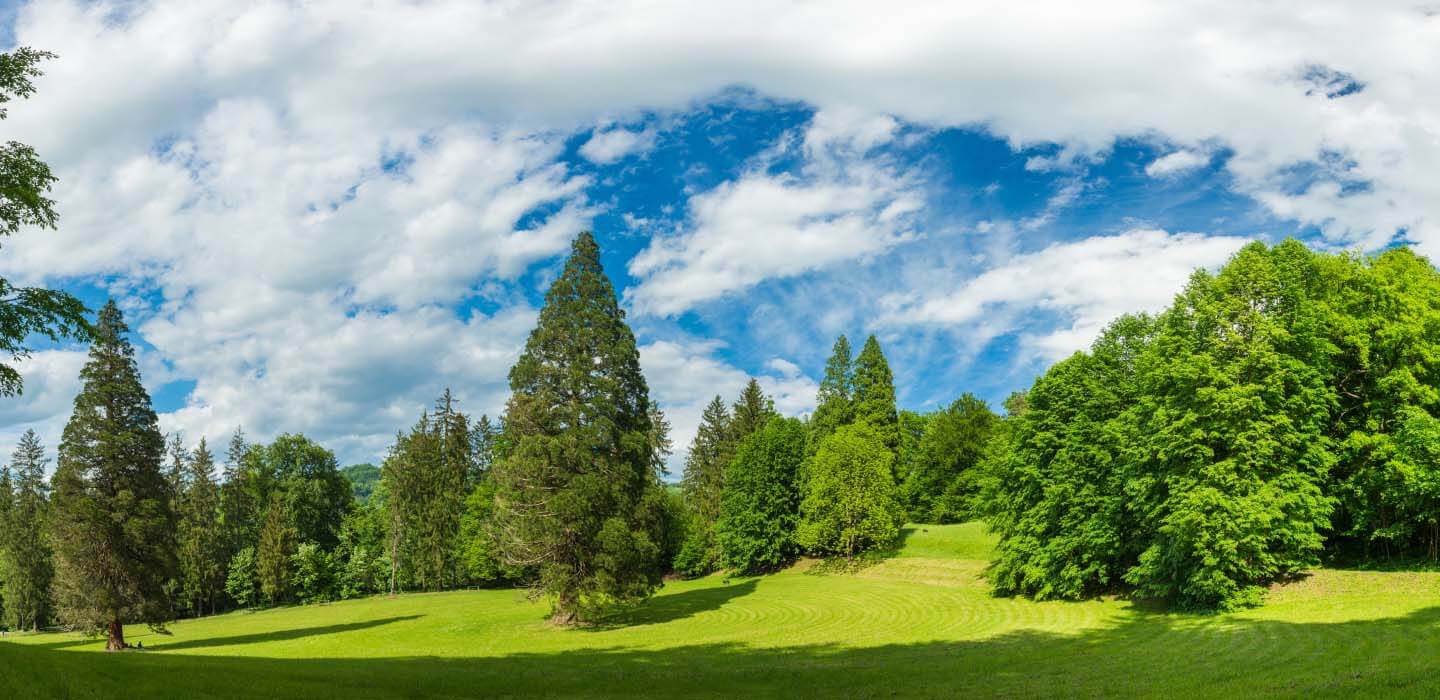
364,478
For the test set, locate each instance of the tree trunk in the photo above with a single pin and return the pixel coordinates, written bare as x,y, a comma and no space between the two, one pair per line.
115,640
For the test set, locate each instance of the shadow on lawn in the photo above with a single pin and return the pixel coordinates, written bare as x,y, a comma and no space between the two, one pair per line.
280,635
1147,654
678,606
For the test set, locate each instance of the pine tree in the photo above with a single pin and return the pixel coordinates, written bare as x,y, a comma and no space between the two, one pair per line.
483,437
874,387
835,402
702,485
751,412
7,502
109,472
274,558
25,556
579,497
202,548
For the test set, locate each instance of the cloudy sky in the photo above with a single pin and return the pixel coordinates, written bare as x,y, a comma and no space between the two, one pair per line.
316,215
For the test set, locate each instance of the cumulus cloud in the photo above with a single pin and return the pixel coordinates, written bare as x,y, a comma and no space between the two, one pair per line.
287,174
842,205
1176,162
1087,283
685,375
612,144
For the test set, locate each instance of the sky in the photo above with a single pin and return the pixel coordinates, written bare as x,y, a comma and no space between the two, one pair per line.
318,215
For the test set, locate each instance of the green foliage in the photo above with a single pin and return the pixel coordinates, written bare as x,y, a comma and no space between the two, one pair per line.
308,478
479,555
940,480
761,504
201,547
274,557
835,402
314,574
239,511
113,528
849,505
425,477
363,478
242,580
874,387
25,557
751,411
702,486
578,493
1205,453
27,313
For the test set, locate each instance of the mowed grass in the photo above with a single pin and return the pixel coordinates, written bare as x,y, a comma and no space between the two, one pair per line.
919,624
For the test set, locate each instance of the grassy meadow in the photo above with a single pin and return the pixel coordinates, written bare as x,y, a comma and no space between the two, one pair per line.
919,623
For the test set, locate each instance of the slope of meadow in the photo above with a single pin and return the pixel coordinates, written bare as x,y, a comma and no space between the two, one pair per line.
918,624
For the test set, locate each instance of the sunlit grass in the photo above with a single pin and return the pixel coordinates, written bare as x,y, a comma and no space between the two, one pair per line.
920,624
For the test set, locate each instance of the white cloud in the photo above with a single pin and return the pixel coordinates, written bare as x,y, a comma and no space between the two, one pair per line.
685,375
1176,162
231,154
842,206
615,143
1087,282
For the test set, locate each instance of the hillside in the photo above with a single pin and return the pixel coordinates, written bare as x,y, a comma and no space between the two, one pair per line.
917,624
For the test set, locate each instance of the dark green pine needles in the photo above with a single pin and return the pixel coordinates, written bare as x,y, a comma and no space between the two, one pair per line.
113,527
578,495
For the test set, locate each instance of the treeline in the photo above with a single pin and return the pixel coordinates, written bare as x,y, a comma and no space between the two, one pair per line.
1281,411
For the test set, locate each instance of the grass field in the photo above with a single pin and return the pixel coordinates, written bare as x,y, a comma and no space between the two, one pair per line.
918,624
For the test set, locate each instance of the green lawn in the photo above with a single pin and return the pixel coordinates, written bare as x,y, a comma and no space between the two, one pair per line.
919,624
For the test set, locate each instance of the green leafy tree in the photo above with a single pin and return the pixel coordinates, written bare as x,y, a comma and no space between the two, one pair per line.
760,507
849,505
242,579
362,478
874,394
274,557
315,580
113,528
938,487
202,551
578,495
26,564
317,496
27,313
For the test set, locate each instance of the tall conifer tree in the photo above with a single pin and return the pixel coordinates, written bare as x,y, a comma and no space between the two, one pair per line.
201,544
25,557
578,494
113,526
274,557
874,387
702,485
834,404
752,411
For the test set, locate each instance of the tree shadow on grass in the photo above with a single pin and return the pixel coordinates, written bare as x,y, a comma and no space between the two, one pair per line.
280,635
677,606
1137,655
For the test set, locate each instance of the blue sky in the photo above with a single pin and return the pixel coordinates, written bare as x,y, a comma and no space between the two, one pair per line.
317,216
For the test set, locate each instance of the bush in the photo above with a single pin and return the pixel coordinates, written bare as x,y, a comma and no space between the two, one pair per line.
241,583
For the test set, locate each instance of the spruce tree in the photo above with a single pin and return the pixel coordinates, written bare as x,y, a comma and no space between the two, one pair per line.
834,404
702,486
578,493
751,412
113,528
274,558
25,556
874,388
239,521
7,502
483,437
201,544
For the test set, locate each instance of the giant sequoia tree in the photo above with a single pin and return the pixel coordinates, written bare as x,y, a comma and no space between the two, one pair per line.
578,492
113,527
